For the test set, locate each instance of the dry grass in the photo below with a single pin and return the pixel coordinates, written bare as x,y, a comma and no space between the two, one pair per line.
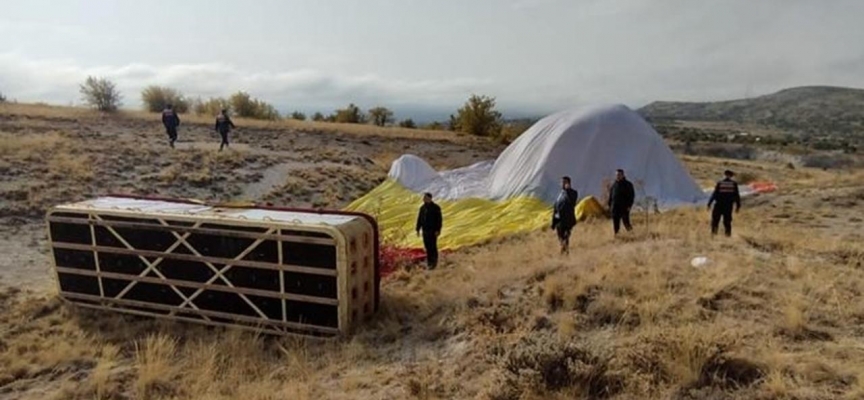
59,112
775,314
626,318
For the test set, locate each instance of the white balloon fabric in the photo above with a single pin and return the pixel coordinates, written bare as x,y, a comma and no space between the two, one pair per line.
587,144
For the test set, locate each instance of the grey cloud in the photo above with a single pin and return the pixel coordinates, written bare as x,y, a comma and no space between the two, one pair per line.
57,81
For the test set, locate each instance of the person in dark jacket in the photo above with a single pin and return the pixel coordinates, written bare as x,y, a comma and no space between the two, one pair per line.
224,126
621,199
564,214
171,122
430,221
725,196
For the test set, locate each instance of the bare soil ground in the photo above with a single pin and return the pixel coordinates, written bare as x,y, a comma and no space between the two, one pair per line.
777,313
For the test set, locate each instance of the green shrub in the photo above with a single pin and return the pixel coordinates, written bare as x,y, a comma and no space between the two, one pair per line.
478,117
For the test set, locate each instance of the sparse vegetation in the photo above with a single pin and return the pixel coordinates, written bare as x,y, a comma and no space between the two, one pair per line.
349,115
210,107
318,117
245,106
101,94
381,116
299,116
407,123
155,98
776,314
814,110
434,126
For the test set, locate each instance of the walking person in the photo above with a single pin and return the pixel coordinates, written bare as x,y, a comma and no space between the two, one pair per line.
564,214
621,199
725,196
171,121
430,221
224,126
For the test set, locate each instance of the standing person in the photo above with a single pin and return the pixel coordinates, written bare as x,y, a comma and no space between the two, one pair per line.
224,126
621,199
724,197
430,221
564,214
171,122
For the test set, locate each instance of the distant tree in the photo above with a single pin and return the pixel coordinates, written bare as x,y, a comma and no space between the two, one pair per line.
211,106
247,107
408,123
512,130
381,116
435,126
349,115
453,124
155,98
2,98
298,116
101,94
478,117
318,117
242,104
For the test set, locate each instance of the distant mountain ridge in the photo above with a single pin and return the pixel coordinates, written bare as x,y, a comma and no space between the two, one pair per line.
814,110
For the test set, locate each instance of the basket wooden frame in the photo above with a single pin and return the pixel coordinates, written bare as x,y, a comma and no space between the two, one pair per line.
356,268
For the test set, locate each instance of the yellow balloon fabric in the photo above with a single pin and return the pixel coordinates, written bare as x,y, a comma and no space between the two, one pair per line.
466,222
589,207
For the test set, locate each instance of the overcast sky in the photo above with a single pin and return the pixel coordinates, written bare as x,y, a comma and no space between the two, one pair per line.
423,58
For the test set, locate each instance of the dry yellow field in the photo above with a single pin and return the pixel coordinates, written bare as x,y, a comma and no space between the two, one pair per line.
777,313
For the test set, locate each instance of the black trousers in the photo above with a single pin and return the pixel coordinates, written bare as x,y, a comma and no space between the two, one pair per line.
564,233
724,213
224,139
172,133
619,216
430,242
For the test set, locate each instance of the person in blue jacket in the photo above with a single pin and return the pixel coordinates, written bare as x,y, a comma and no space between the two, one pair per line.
224,126
725,197
171,122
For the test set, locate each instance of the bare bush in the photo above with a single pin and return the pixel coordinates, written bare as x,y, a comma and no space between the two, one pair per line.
211,106
539,365
408,123
349,115
101,94
246,106
381,116
155,98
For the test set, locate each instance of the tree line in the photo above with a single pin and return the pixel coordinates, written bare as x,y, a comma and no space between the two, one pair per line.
478,116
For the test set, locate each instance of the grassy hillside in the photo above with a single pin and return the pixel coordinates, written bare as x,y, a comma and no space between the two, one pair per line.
814,110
